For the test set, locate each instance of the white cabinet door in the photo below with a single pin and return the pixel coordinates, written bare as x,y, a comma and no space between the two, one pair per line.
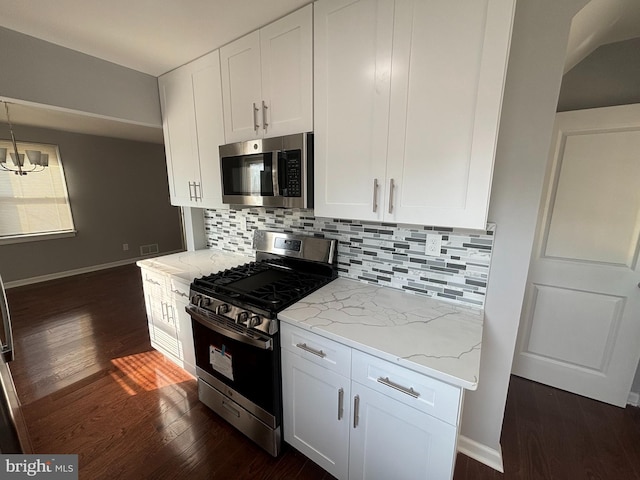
267,80
392,440
286,50
241,88
316,413
180,296
352,72
207,92
407,107
179,127
191,100
449,64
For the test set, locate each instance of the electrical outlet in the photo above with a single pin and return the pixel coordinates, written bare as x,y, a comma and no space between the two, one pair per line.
243,223
434,244
125,247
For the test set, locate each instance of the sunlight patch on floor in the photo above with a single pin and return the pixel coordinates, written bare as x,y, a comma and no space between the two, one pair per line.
145,372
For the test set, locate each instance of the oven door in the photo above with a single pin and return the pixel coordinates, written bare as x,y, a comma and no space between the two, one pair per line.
247,370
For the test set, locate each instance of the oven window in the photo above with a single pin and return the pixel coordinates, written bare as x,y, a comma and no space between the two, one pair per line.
248,175
251,371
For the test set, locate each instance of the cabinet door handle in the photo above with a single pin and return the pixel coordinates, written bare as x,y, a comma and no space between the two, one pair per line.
340,403
375,194
391,185
193,191
356,408
163,306
304,347
264,116
199,191
408,391
255,118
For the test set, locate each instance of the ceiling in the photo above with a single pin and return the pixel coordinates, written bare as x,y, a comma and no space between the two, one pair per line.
151,36
155,36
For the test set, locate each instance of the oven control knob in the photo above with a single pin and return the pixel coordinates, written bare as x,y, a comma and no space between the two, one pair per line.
222,309
253,321
242,317
205,301
196,299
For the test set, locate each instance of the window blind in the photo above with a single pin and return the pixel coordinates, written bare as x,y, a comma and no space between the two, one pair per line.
36,203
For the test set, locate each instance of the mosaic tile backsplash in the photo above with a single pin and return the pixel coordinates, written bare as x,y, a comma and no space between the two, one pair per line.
392,255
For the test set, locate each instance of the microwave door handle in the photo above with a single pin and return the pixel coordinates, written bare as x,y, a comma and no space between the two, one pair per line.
6,349
274,173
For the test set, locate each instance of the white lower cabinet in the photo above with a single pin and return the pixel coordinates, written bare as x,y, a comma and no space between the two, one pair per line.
360,417
316,413
169,324
390,439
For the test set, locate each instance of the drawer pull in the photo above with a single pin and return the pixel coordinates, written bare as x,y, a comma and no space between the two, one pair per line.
153,282
408,391
231,409
178,292
304,347
340,403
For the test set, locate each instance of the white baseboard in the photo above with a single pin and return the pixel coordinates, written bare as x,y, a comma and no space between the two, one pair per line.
78,271
634,399
480,452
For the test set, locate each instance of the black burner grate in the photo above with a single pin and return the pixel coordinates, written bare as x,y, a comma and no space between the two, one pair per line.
269,285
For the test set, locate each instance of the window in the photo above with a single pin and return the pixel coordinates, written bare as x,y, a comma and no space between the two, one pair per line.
36,205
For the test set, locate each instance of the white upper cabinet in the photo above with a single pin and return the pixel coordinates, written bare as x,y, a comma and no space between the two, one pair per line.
267,80
407,107
191,101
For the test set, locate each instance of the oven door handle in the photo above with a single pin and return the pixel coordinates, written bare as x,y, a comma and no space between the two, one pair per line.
266,344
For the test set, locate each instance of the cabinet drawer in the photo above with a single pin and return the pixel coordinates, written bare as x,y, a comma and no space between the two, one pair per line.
179,290
154,283
317,349
431,396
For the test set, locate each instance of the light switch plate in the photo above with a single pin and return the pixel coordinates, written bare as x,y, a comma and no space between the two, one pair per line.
434,244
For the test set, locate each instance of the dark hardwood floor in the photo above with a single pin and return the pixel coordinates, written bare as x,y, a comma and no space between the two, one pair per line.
91,384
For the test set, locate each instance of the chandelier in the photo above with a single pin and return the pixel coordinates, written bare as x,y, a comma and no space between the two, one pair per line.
37,161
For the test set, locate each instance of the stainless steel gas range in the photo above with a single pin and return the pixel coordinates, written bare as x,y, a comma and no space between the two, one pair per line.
236,331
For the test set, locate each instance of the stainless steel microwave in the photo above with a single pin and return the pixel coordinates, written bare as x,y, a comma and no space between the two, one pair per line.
270,172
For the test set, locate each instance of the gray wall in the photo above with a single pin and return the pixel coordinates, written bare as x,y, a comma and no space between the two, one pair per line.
37,71
536,62
119,194
609,76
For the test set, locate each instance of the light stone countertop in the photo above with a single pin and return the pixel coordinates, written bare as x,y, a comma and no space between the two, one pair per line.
432,337
195,264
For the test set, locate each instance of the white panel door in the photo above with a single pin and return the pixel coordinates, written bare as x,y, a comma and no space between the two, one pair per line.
286,49
352,72
391,440
316,413
241,88
449,66
580,329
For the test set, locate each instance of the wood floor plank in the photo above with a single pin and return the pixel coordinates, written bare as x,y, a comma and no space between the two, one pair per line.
91,384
